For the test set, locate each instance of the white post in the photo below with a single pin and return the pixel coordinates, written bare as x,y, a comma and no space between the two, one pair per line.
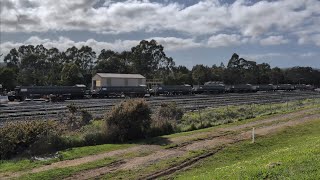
253,135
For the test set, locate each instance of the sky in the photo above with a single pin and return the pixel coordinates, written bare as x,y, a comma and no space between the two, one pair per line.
283,33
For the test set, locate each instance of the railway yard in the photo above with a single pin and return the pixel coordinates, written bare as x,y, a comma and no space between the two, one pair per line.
30,110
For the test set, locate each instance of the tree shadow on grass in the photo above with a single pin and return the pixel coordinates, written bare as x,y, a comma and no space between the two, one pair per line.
159,140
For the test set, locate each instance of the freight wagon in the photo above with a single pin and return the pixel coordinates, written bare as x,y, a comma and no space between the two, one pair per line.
62,92
266,87
242,88
210,88
119,91
171,90
285,87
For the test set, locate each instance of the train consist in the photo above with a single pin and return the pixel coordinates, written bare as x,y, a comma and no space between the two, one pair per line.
54,93
58,93
115,91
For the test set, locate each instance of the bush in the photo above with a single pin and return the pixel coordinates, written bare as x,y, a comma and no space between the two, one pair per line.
128,120
73,121
170,111
163,128
17,137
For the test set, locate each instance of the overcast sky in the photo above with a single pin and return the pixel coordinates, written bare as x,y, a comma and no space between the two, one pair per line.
283,33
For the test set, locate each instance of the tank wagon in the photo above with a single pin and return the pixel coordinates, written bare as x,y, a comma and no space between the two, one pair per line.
285,87
242,88
118,91
52,92
266,87
304,87
171,90
210,88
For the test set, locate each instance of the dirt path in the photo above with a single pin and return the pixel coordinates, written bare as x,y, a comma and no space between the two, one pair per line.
216,138
216,142
218,131
221,142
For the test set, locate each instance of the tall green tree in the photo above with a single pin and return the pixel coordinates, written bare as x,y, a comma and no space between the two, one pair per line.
148,58
71,75
84,58
201,74
8,78
277,76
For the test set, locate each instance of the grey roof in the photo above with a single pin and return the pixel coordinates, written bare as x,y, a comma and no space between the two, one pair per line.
113,75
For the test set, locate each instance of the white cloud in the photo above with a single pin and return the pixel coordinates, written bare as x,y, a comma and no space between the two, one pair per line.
169,43
309,39
221,40
206,17
264,56
173,43
273,40
309,54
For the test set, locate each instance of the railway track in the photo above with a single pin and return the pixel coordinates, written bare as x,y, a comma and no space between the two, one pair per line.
31,110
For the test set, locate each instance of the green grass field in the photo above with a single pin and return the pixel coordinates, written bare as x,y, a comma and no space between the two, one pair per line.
293,153
25,164
240,161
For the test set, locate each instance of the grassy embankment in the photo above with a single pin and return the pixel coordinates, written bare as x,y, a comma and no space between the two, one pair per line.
293,153
261,111
269,149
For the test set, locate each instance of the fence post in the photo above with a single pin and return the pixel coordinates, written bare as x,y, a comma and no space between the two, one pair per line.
252,105
253,138
270,107
199,114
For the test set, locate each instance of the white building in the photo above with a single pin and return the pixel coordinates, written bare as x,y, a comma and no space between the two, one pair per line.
111,79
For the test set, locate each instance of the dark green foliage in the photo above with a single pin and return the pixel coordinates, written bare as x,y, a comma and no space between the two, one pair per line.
86,117
164,122
8,78
74,121
128,120
170,111
36,65
161,128
17,137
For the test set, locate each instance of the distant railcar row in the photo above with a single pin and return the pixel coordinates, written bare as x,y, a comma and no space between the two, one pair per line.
60,93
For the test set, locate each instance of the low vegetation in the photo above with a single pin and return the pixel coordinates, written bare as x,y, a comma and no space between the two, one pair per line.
79,137
209,117
127,122
293,153
16,138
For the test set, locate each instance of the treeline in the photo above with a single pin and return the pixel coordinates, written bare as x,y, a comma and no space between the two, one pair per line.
37,65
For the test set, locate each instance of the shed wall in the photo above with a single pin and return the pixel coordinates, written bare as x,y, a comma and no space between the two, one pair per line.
98,81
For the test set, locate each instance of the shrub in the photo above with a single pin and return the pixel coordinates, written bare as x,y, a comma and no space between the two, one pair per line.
128,120
170,111
163,128
18,137
73,121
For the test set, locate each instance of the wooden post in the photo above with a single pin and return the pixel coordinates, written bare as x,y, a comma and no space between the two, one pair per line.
253,135
199,114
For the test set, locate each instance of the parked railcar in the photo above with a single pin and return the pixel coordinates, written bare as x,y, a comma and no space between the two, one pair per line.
310,87
55,92
285,87
118,91
266,87
171,90
242,88
304,87
210,88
